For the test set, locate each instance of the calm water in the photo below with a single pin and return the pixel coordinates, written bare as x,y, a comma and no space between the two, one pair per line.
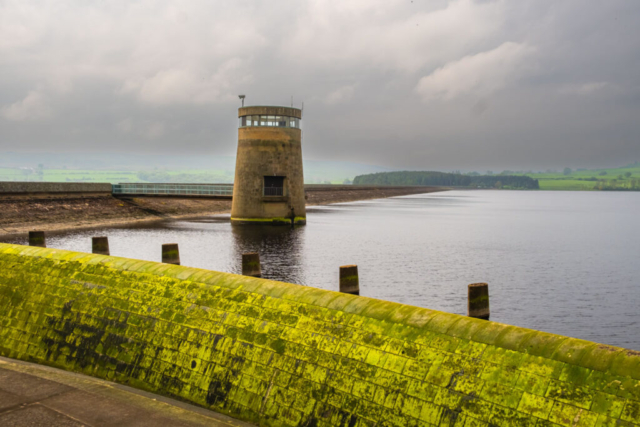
562,262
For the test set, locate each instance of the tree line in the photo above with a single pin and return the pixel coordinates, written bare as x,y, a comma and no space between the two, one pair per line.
448,179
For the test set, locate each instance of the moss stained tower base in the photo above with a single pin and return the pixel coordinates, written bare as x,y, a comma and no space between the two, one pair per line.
269,184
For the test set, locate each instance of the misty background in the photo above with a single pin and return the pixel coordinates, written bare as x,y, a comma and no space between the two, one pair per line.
386,85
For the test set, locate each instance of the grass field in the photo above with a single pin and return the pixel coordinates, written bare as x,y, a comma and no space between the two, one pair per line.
625,178
565,184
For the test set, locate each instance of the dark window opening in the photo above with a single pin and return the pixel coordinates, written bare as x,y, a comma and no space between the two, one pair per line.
274,185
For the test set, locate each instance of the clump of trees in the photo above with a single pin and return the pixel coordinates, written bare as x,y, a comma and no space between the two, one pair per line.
448,179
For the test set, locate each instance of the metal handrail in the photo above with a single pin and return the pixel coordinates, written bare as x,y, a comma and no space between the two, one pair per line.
174,189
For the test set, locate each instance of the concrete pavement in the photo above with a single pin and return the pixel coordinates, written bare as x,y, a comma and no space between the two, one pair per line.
34,395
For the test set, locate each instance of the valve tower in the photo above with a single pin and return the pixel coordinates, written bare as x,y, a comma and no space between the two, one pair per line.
269,185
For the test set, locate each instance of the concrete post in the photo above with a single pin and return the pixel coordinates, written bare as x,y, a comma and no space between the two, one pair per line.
100,245
251,264
36,238
170,253
349,283
478,300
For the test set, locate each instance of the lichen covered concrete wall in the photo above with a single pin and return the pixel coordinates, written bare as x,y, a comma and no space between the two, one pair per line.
283,354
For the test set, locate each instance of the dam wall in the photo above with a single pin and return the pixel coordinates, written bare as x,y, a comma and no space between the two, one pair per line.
280,354
37,190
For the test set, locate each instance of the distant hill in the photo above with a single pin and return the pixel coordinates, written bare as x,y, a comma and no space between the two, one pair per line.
448,179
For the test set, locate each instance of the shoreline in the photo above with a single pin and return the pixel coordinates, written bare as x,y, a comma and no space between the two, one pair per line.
64,215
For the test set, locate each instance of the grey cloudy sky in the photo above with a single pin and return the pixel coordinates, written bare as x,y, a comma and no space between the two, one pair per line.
461,84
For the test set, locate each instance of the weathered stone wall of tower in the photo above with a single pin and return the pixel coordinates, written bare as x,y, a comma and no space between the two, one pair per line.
264,151
268,151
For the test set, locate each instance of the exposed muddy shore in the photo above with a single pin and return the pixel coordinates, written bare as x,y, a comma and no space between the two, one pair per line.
19,215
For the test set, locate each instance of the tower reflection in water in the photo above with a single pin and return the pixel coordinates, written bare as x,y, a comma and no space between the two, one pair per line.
281,250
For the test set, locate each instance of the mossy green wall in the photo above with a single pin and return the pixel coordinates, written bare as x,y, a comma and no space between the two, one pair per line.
283,354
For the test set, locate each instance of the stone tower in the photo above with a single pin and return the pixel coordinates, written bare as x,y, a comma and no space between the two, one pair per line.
269,186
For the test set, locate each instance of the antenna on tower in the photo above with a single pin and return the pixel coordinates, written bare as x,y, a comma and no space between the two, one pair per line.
241,99
302,109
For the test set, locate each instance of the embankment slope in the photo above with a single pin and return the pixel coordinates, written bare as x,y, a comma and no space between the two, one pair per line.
51,212
21,215
282,354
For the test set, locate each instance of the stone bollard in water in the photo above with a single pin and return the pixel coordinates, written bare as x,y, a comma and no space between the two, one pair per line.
349,283
170,253
36,238
251,264
478,300
100,245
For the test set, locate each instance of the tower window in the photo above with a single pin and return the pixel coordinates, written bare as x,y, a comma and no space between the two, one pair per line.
274,185
278,121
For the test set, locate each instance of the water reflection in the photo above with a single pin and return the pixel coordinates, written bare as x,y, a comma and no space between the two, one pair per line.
281,249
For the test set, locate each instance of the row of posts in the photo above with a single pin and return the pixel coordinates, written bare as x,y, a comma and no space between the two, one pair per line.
478,293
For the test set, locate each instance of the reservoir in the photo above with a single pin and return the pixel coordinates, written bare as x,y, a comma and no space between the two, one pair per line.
560,262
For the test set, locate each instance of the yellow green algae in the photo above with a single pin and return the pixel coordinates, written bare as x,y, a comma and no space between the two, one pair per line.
280,354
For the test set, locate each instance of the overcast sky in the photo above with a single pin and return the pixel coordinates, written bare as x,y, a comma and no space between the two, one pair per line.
435,85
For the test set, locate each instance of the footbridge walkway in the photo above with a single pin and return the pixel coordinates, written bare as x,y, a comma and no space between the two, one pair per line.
182,190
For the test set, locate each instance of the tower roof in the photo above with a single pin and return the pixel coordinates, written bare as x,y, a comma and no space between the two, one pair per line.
270,110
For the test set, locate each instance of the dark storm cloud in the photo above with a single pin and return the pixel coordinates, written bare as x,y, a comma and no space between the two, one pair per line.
438,85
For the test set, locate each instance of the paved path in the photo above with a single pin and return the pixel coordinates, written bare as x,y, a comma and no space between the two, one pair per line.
34,395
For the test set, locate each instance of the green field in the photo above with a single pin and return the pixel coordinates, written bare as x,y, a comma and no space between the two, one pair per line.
625,178
565,184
